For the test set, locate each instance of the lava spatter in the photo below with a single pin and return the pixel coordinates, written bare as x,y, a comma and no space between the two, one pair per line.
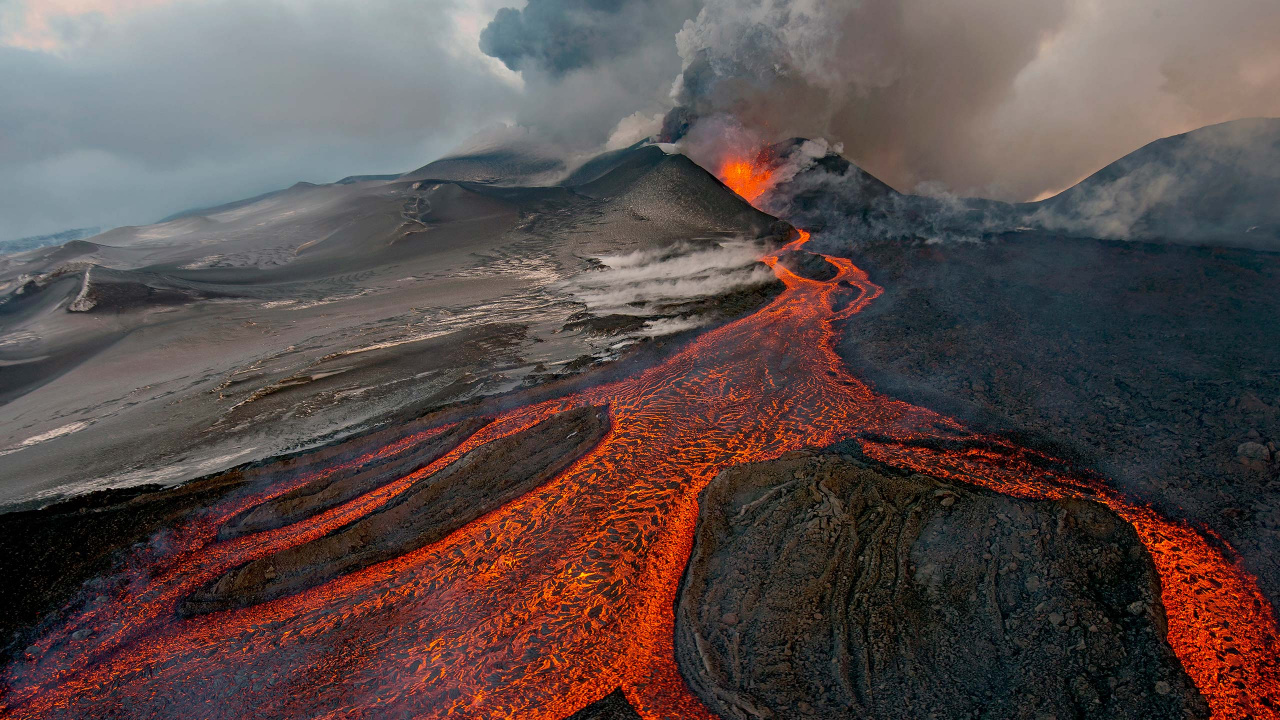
551,601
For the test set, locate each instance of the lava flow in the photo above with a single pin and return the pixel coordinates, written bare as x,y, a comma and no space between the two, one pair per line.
553,600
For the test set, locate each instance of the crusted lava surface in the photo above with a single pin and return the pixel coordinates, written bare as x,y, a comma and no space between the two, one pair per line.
825,587
330,491
478,482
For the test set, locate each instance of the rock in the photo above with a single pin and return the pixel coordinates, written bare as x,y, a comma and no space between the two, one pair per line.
81,634
1253,451
892,611
613,706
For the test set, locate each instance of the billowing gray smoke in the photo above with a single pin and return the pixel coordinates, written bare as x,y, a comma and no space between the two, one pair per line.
559,36
1010,99
590,64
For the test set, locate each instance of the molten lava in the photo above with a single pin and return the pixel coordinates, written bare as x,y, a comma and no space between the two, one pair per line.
748,179
548,603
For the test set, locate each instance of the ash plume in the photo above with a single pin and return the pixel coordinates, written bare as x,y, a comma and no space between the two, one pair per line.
997,98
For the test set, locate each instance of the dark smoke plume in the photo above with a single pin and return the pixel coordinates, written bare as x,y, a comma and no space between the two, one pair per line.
1010,99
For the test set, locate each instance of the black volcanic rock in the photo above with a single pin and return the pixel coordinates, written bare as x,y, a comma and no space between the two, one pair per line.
824,588
613,706
49,555
1151,364
822,191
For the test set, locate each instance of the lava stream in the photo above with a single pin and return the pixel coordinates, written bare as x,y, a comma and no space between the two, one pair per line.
548,603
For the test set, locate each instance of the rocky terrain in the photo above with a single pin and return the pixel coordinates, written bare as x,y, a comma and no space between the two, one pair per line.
310,337
58,557
1154,364
821,586
1124,324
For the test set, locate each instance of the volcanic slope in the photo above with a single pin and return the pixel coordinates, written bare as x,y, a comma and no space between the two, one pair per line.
161,353
1152,362
1217,185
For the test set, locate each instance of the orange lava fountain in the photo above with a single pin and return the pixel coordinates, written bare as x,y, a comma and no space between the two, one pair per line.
748,179
548,603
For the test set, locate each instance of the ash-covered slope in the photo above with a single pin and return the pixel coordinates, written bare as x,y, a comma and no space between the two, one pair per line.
499,166
1219,185
1216,185
159,353
38,241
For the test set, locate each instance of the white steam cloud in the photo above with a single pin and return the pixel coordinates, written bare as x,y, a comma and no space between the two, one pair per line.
650,282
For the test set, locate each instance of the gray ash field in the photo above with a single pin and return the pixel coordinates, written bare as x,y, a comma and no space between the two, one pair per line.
157,354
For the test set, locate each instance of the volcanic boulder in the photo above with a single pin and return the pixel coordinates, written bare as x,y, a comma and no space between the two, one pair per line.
821,587
478,482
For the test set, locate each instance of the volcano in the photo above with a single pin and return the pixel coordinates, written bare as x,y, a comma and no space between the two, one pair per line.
777,510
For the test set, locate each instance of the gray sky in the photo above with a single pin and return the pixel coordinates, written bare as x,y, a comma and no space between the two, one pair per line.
116,112
123,111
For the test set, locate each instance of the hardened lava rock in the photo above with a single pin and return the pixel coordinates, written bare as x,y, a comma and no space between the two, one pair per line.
820,587
478,482
613,706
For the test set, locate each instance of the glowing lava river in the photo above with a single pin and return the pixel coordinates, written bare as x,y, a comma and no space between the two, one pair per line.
548,603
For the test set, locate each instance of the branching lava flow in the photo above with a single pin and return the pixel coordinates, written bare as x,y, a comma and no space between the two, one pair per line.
553,600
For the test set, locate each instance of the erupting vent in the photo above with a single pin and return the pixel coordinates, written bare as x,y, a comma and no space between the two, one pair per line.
748,179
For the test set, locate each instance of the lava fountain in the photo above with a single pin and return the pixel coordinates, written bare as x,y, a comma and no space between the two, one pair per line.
553,600
750,180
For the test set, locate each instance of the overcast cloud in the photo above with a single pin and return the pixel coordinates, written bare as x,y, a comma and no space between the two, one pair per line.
131,111
122,111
